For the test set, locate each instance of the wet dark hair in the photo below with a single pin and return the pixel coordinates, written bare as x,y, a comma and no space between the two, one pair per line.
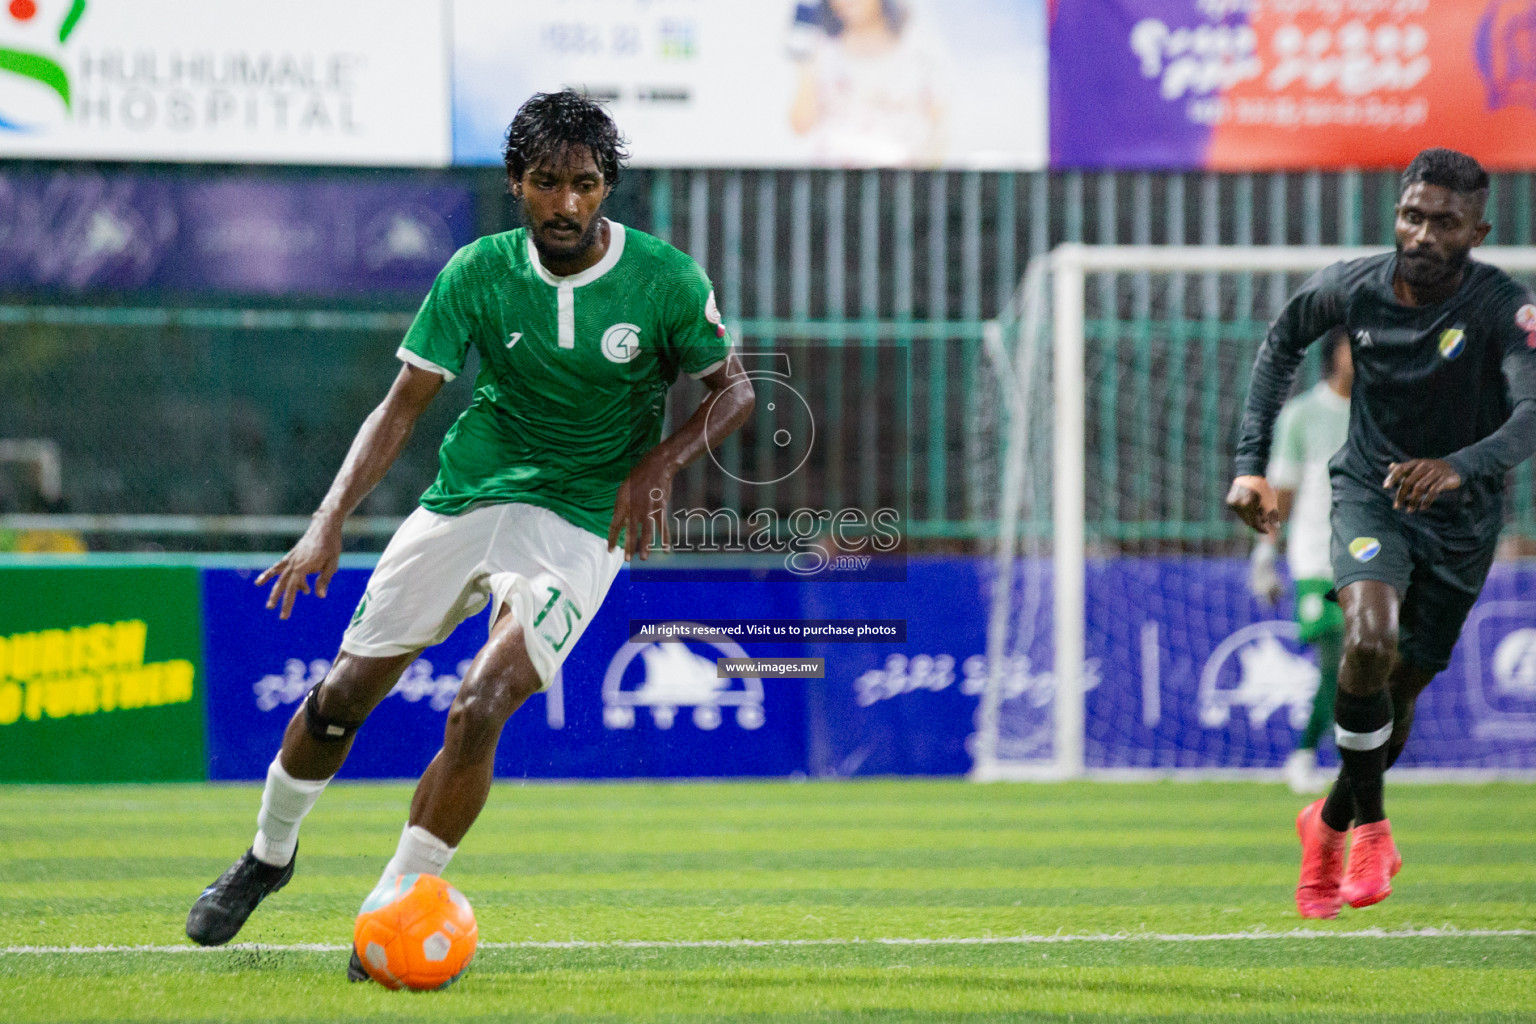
1450,170
823,15
552,122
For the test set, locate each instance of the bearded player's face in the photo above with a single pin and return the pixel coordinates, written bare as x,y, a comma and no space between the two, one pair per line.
1436,231
561,196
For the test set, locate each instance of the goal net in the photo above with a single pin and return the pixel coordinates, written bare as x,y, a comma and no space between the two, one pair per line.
1122,637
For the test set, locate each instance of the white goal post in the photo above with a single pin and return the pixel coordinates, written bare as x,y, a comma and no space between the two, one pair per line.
1050,316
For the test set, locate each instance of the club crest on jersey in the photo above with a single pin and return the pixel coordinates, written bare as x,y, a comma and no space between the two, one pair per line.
621,343
1452,341
1363,549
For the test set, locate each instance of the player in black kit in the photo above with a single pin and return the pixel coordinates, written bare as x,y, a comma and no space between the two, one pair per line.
1443,406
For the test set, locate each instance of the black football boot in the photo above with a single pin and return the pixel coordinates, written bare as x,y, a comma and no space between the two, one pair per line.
221,910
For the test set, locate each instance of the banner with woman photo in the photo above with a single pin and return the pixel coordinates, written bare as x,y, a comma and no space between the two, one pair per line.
767,83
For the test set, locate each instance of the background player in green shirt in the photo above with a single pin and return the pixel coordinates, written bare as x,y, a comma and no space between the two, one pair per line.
581,325
1443,406
1311,428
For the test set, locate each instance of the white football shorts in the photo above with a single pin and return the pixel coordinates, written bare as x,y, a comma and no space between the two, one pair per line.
439,570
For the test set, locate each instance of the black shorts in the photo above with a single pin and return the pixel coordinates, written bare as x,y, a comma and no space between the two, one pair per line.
1437,564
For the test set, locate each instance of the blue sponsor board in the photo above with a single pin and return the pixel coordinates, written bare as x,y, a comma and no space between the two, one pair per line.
1189,671
1186,671
82,230
621,709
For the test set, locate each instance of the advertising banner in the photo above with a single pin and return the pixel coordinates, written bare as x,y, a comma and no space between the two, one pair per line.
1260,84
338,82
622,709
100,675
614,712
768,83
1185,670
80,230
1188,670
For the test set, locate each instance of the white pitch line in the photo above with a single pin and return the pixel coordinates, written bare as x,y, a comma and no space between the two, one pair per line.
982,940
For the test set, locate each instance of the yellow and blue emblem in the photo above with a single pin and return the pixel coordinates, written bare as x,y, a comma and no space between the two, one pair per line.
1452,341
1364,548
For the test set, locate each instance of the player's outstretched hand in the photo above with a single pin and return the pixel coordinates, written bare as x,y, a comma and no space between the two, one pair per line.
1254,502
318,551
641,509
1418,482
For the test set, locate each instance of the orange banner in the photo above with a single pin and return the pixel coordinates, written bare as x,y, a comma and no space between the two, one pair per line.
1369,83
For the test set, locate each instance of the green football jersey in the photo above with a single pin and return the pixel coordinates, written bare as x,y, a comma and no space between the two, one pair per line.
574,371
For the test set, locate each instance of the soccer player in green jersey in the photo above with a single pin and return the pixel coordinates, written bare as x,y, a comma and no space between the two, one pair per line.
1443,406
553,476
1312,426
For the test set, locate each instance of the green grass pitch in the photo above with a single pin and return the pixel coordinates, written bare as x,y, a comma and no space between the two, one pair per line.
764,902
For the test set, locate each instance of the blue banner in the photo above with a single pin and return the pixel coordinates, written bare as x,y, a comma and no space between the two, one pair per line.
619,709
1189,671
81,230
1186,670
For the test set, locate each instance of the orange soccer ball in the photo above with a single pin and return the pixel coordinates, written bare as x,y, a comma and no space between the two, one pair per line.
419,933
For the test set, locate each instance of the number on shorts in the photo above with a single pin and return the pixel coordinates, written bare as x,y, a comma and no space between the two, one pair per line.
568,614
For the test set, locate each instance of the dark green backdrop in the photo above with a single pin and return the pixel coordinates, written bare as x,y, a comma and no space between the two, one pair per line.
161,743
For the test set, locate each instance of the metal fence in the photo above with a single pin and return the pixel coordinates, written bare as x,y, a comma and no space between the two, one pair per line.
225,405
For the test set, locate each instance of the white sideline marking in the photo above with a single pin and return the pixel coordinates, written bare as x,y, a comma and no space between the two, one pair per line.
982,940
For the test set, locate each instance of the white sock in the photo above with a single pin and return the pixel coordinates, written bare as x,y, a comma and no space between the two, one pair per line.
419,853
284,802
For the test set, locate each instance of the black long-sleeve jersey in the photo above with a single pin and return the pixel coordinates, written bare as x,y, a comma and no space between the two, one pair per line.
1453,381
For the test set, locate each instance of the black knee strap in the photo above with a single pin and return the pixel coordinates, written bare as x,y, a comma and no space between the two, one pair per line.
326,730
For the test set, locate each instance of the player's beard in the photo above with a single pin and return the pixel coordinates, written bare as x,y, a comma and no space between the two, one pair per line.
551,250
1428,270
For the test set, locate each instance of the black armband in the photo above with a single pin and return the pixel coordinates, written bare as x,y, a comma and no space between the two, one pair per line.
326,730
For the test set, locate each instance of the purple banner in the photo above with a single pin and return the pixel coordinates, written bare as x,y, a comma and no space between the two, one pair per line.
1109,108
80,230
